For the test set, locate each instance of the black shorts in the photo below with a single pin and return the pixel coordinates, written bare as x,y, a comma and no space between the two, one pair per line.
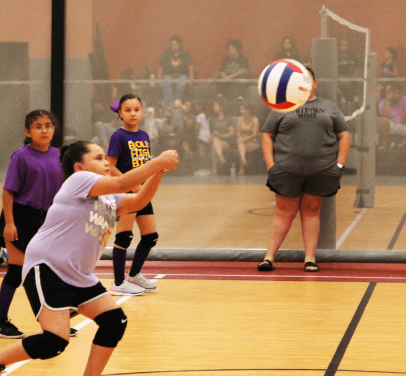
27,220
147,210
44,287
325,183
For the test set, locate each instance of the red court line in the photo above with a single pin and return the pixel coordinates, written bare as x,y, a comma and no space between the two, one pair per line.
234,270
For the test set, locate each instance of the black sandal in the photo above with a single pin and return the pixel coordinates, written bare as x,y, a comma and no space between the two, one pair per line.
265,266
311,264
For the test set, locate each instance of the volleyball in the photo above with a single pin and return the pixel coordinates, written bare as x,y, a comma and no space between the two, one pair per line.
285,85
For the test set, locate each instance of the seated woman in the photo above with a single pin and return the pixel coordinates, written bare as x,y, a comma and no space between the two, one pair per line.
389,68
223,134
104,131
288,50
234,66
247,133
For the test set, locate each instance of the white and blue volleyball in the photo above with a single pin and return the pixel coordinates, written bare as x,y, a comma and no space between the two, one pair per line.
285,85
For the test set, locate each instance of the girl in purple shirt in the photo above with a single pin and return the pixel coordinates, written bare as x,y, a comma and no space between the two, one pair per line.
58,270
34,176
129,149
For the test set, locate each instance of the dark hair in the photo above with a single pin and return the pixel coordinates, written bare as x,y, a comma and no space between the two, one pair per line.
176,39
295,54
311,72
117,105
236,43
222,105
394,53
248,107
70,154
396,86
291,40
32,116
204,106
127,73
126,97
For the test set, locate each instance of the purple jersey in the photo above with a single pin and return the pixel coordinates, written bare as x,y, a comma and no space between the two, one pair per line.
34,176
76,231
132,149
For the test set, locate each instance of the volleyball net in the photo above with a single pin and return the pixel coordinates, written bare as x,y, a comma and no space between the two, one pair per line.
353,43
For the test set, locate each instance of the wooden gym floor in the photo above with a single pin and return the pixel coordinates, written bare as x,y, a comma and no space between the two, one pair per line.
227,319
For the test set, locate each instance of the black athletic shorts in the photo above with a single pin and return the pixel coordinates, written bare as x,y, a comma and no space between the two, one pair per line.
147,210
326,183
44,287
27,220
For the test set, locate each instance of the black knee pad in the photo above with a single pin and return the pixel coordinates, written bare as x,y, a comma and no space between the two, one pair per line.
44,346
149,241
123,239
112,326
14,275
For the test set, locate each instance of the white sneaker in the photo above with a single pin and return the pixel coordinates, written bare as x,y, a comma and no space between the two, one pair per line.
3,256
126,288
140,280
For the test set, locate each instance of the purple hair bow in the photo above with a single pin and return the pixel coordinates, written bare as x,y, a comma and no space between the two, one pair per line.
115,107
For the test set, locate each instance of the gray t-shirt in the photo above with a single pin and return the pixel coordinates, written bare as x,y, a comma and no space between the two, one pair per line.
306,139
76,231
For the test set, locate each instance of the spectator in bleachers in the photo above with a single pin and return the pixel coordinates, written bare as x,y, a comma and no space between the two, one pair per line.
288,50
172,129
150,125
188,140
161,120
389,68
175,64
234,66
203,140
247,133
104,131
223,134
119,89
393,120
347,66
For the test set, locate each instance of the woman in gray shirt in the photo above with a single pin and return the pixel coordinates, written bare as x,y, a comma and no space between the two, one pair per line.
305,151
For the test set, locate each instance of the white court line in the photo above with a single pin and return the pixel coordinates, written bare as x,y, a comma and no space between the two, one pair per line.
160,276
310,276
350,227
81,325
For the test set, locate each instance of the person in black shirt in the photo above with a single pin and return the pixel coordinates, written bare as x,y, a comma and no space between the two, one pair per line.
175,64
234,66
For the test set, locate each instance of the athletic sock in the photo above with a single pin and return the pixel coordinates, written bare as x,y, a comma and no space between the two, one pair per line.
6,297
119,257
141,254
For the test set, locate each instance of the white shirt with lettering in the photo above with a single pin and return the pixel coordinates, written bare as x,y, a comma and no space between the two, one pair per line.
76,231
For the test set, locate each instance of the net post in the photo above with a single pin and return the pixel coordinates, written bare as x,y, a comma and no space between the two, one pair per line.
365,196
324,63
323,22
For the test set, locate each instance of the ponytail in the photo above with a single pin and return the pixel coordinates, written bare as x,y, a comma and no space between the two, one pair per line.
71,154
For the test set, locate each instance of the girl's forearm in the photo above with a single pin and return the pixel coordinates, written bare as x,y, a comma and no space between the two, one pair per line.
8,200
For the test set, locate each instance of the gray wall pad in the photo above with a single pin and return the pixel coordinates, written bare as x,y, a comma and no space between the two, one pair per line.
257,255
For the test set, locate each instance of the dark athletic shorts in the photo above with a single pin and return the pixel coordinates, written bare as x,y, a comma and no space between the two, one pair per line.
44,287
27,220
326,183
147,210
